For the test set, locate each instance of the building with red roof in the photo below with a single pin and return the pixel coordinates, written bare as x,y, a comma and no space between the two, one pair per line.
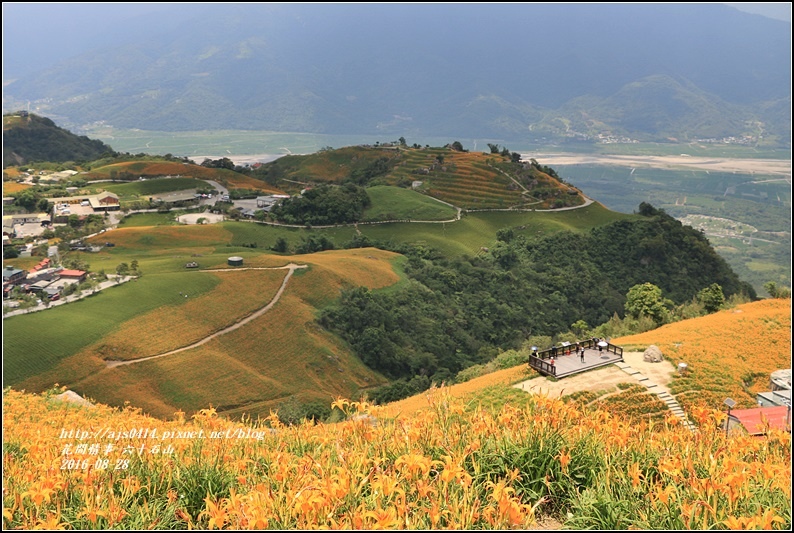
761,419
78,275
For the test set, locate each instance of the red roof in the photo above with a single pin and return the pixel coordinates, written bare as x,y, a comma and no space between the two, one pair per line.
755,421
72,273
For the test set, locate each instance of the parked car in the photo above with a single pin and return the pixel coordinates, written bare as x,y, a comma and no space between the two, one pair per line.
55,297
109,244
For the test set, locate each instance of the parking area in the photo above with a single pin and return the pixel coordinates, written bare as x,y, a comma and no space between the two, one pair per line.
29,229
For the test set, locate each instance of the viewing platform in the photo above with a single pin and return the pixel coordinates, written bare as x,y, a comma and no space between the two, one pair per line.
567,361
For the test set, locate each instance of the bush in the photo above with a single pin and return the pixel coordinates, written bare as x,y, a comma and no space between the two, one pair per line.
293,412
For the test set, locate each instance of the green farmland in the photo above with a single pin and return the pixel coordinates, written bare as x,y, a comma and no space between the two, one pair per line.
463,237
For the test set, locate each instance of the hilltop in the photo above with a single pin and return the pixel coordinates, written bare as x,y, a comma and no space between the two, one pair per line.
469,180
29,137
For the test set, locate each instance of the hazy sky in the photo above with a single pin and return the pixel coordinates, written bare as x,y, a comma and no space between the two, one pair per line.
64,29
774,10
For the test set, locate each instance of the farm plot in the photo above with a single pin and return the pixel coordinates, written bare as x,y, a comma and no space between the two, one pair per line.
264,236
148,219
476,230
187,381
164,239
11,187
241,181
238,294
152,186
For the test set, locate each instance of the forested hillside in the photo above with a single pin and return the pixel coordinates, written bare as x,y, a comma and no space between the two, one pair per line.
29,137
459,312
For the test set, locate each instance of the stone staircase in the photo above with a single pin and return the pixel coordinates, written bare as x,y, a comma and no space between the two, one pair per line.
663,395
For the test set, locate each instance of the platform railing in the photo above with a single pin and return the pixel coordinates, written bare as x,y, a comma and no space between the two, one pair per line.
537,359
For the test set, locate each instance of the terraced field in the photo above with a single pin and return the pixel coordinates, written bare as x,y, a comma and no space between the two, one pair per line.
463,179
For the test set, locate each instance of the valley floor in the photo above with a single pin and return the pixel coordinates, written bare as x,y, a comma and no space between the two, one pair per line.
781,167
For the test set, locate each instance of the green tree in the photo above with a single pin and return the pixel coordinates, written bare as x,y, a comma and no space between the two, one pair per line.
646,300
777,292
123,269
580,327
280,246
494,148
457,146
712,297
43,205
505,235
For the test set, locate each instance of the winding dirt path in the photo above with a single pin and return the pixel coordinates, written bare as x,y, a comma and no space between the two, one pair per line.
290,268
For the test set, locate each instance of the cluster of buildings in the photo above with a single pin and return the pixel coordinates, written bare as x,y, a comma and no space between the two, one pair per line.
44,280
87,204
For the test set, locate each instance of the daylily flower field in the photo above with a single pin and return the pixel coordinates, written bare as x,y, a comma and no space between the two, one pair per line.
453,465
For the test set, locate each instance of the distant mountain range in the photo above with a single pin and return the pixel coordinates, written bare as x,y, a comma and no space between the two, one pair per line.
504,71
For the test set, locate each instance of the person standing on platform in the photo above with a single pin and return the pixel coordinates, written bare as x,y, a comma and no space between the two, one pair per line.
581,354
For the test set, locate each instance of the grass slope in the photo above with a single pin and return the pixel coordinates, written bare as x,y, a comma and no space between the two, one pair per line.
395,203
729,354
280,354
159,168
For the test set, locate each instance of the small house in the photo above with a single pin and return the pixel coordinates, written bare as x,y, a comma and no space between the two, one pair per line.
13,275
77,275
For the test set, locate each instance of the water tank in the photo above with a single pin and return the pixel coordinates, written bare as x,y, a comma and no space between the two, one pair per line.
235,261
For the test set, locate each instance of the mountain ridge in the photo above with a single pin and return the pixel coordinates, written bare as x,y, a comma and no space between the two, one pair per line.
341,69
